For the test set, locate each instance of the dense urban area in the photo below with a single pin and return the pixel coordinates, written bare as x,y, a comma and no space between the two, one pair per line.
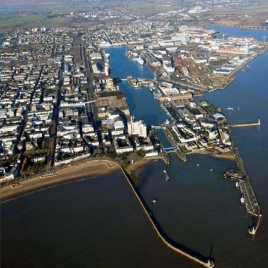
60,101
63,107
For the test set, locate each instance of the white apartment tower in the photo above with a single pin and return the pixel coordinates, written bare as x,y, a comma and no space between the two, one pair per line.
137,128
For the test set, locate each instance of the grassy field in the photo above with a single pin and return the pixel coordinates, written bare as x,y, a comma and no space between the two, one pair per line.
42,6
12,19
22,21
32,21
241,10
148,9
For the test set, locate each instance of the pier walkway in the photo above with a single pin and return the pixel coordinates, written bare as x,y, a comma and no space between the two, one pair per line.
246,125
251,202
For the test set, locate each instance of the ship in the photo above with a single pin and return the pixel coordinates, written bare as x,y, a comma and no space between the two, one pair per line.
151,87
242,199
231,175
166,84
140,60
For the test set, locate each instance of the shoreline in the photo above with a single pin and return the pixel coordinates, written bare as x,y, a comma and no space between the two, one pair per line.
74,172
93,168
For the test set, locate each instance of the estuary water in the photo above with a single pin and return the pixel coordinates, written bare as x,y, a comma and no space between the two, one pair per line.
97,222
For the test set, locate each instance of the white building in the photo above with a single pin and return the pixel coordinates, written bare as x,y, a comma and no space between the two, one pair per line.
137,128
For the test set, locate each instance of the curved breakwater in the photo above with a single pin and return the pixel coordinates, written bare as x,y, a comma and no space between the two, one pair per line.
177,247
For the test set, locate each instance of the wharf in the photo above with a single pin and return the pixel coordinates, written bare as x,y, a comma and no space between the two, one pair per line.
173,141
251,202
257,124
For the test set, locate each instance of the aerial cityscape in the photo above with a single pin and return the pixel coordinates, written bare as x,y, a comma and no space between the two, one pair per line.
111,106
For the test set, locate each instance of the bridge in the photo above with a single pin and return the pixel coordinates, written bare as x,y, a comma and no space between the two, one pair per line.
156,127
136,78
169,149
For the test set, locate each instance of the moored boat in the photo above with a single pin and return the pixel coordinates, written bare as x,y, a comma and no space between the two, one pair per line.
242,199
237,184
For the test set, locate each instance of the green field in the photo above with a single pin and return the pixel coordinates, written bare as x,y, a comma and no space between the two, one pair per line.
24,15
240,10
32,21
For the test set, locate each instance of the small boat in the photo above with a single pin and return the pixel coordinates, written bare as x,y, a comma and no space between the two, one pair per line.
167,178
242,199
237,184
230,109
154,200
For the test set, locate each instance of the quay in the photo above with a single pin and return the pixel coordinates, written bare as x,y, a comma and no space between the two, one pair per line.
252,27
175,246
175,148
251,202
257,124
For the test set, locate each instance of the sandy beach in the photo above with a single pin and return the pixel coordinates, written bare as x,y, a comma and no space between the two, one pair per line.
76,171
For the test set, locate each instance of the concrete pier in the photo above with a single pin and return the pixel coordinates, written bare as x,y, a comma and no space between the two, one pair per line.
251,202
257,124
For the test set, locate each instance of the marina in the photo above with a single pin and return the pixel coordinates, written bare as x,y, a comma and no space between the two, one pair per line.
247,193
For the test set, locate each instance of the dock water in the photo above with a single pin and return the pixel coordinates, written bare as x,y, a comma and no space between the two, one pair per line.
175,246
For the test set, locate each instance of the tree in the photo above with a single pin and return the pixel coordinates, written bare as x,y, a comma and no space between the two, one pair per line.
141,153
